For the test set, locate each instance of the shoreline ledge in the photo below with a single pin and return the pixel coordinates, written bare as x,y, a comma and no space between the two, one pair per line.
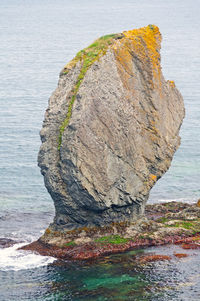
165,223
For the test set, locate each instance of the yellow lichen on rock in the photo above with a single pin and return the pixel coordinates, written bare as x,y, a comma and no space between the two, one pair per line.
146,39
144,45
152,177
171,83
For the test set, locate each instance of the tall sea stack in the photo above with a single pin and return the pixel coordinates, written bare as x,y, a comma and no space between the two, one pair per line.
110,131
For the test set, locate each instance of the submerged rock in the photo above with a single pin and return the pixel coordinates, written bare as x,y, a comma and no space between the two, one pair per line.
152,258
110,130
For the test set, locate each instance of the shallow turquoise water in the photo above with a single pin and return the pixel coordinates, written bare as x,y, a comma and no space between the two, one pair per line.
37,39
117,277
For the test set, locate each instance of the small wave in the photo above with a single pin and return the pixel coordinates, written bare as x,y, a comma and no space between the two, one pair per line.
13,259
182,200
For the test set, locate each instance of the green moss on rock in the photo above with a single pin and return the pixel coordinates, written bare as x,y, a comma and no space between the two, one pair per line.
112,239
69,244
87,57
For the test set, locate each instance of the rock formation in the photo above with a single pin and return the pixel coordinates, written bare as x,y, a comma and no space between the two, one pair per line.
110,130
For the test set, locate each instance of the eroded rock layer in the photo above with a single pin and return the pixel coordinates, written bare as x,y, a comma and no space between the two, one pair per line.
110,130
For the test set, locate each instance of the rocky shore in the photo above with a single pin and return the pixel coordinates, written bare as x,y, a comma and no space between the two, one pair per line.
166,223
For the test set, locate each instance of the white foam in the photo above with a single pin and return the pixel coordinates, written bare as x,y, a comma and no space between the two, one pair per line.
13,259
182,200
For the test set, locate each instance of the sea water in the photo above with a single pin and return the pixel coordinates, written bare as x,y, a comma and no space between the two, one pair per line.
37,39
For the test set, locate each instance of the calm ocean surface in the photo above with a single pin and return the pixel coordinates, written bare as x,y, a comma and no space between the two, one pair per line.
37,39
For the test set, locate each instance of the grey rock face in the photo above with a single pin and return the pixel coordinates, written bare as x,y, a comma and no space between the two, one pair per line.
120,137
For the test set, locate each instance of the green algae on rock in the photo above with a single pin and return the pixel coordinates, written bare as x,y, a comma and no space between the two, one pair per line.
110,132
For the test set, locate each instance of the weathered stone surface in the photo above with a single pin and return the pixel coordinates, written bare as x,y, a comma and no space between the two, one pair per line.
110,130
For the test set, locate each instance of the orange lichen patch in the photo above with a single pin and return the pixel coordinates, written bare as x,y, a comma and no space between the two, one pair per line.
153,128
152,258
152,177
171,83
124,63
145,43
198,203
180,255
141,45
153,137
48,231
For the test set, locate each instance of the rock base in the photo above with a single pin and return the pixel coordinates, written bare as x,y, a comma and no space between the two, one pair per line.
167,223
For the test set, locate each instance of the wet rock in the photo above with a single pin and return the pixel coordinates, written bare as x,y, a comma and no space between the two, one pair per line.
180,255
189,246
189,213
153,258
90,243
6,242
